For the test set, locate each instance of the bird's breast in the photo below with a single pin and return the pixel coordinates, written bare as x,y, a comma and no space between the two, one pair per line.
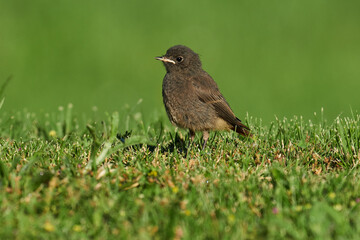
177,97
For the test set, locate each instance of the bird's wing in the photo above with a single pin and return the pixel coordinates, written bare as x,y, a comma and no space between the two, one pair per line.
208,92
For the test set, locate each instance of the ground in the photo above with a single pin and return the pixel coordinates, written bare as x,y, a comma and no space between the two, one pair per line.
120,177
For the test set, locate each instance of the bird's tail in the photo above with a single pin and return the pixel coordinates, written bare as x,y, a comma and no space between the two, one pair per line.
242,129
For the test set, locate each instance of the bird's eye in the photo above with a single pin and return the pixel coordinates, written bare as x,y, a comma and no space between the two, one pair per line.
179,59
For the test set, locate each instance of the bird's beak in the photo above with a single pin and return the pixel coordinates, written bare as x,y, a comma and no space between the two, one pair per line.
164,59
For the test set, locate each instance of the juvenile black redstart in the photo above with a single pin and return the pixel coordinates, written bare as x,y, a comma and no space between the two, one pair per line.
192,98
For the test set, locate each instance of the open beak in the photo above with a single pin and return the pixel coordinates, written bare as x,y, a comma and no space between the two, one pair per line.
164,59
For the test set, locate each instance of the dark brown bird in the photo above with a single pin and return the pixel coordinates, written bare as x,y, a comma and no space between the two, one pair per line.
192,98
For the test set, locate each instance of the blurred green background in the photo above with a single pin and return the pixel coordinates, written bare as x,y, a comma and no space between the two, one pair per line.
269,58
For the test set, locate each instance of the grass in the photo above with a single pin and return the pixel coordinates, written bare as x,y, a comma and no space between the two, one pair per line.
68,177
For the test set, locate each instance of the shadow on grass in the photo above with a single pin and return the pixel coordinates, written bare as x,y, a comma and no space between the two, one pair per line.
176,143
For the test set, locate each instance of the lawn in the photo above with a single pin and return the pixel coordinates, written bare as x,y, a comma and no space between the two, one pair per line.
67,176
108,168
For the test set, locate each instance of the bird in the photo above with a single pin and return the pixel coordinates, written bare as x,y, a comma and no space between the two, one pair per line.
192,98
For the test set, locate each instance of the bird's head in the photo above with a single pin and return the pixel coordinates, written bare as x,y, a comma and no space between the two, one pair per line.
179,58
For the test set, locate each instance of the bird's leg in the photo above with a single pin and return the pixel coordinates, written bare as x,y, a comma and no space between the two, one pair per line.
205,138
192,136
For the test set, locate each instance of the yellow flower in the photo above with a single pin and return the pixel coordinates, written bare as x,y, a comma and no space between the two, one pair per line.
175,189
122,213
231,219
48,227
153,173
77,228
52,133
332,195
338,207
298,208
308,206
